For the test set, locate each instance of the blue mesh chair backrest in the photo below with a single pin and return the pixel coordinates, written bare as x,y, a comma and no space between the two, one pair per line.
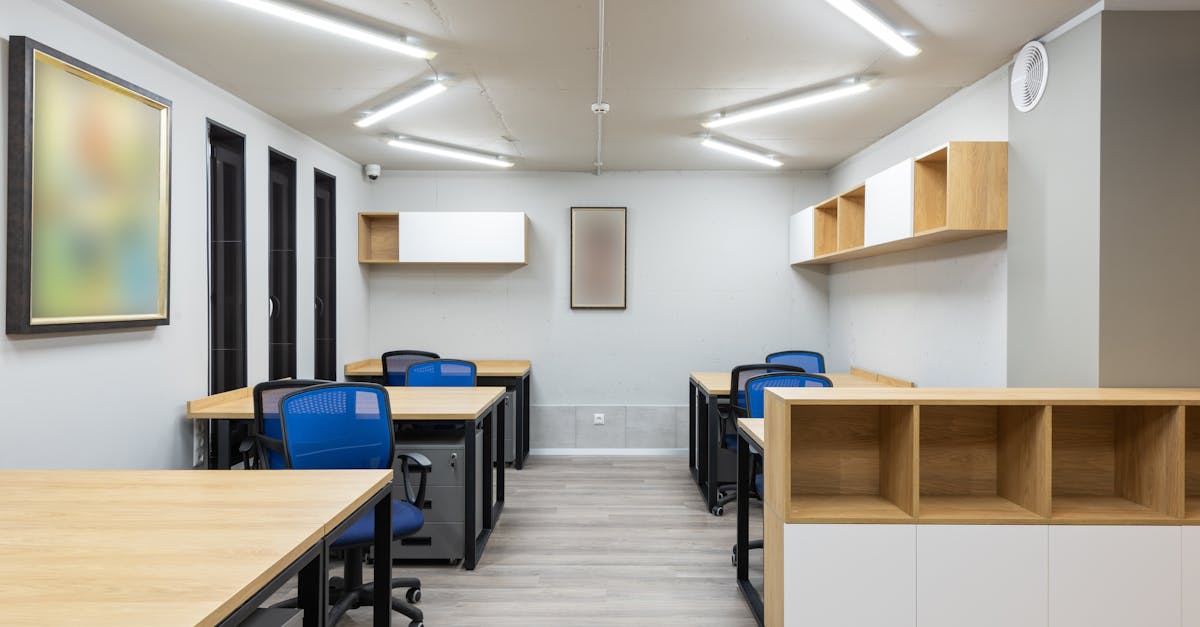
743,373
266,416
442,373
756,385
396,363
338,425
811,361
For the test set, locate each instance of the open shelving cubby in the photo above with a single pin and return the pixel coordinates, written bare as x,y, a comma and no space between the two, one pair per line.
1191,463
378,238
851,219
1117,464
984,463
853,463
929,191
825,227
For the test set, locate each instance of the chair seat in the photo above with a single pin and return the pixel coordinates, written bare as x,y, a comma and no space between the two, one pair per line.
758,484
406,519
731,441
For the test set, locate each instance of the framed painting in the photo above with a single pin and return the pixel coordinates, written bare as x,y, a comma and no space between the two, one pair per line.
89,201
598,257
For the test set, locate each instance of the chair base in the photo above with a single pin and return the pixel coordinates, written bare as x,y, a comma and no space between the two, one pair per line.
349,592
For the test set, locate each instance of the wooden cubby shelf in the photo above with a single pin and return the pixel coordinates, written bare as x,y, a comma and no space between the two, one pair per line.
958,191
378,238
494,238
984,456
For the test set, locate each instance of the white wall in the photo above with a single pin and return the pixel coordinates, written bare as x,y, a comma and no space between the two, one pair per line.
709,283
116,400
935,315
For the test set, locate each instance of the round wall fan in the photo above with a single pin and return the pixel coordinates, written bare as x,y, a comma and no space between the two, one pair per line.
1030,69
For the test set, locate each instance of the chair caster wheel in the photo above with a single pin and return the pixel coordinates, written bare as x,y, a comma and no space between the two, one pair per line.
718,511
733,556
416,623
413,595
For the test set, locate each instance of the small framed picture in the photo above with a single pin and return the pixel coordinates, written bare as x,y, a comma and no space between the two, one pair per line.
598,257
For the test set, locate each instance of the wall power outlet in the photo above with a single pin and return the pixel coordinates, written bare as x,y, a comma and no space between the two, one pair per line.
597,419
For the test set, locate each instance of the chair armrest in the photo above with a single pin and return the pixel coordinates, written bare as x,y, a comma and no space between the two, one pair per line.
423,466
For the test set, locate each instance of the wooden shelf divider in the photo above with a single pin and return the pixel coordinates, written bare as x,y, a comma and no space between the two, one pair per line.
378,238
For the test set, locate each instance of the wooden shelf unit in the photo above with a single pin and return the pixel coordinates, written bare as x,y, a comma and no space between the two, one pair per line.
984,456
378,238
960,191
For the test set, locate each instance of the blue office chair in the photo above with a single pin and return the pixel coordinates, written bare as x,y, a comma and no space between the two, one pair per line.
396,363
442,373
265,448
738,376
811,361
348,425
755,406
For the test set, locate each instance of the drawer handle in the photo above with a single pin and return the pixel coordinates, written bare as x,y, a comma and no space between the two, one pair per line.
421,541
428,504
453,459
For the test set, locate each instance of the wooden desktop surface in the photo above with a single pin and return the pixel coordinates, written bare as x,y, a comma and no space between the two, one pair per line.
987,396
756,428
718,382
159,547
483,367
433,403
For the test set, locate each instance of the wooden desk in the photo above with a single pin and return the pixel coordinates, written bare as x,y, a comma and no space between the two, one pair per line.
435,404
513,374
176,547
706,390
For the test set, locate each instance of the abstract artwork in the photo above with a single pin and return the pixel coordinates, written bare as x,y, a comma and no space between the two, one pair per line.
597,257
89,197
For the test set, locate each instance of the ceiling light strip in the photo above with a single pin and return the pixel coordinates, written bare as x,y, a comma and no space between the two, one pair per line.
401,104
445,151
745,153
875,25
335,26
787,104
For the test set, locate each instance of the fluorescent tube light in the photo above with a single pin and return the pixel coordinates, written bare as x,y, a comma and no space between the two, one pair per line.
444,151
403,103
787,104
337,27
745,153
876,26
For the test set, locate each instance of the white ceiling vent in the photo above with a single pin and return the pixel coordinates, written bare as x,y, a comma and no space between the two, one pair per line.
1030,69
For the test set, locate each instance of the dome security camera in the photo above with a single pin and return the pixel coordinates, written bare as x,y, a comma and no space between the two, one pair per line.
372,171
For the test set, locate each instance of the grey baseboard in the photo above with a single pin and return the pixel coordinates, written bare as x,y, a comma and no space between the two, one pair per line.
604,452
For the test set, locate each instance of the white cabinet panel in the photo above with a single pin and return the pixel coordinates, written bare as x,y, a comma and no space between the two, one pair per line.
1191,577
461,237
889,208
802,235
850,575
1107,576
982,575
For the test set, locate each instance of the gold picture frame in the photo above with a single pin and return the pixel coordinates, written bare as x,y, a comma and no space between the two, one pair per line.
598,257
89,197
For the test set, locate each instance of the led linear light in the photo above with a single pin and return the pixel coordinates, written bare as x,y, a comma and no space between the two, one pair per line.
401,104
337,27
444,151
787,104
876,26
745,153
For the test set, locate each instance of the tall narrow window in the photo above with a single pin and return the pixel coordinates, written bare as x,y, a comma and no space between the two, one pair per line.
227,258
281,271
325,275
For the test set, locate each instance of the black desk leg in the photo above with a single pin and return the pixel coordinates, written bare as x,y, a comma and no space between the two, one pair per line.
312,590
498,420
701,421
745,475
519,425
382,592
525,416
220,455
469,530
713,433
692,429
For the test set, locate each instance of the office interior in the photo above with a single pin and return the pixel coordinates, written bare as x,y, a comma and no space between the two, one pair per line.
1083,286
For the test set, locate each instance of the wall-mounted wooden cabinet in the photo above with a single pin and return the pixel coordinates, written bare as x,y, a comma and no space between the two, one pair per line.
958,191
443,237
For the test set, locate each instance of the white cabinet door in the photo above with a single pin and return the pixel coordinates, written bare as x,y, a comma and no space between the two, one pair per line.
849,575
462,237
889,208
1191,577
802,236
1109,576
982,575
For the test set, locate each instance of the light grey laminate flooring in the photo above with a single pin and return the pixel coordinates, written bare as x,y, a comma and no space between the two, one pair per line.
598,541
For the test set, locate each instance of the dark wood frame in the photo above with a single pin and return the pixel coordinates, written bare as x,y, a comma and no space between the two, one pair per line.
624,258
21,55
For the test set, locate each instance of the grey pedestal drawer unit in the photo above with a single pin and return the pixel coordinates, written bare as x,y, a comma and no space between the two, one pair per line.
442,536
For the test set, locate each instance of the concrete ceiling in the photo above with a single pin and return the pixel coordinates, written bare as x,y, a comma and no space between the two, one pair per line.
525,72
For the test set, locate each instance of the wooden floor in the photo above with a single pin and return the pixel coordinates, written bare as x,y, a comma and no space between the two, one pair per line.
594,541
